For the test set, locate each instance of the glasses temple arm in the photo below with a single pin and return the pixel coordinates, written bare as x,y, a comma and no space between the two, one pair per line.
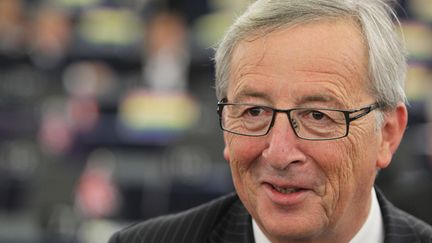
366,110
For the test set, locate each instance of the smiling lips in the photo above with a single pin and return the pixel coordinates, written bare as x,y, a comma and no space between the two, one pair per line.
286,195
283,187
290,190
285,190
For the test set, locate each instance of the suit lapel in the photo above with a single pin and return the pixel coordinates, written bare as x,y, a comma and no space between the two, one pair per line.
234,226
396,223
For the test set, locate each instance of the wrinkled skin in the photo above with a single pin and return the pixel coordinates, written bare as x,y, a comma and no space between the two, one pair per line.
311,65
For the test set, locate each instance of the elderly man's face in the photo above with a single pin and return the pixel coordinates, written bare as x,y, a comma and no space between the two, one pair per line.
321,65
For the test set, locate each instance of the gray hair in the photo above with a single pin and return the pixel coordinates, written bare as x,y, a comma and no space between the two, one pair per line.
387,61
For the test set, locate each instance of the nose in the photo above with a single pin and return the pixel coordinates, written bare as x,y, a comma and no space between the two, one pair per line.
283,146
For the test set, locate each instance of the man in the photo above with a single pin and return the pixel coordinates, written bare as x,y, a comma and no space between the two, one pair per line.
312,106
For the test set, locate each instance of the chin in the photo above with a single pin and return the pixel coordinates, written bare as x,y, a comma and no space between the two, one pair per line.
280,224
285,233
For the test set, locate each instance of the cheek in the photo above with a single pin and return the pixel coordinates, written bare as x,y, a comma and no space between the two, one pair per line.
352,159
337,160
241,154
364,152
349,166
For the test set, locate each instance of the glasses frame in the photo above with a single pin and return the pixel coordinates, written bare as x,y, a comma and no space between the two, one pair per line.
347,113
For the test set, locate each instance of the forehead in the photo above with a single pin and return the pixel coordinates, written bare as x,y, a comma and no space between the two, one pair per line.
325,59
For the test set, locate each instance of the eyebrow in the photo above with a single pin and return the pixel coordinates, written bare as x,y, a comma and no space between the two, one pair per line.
299,101
250,94
319,98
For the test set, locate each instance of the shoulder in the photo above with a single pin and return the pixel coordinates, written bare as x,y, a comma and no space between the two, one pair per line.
401,226
188,226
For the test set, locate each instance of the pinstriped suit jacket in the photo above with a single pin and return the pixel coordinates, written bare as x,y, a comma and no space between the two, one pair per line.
225,220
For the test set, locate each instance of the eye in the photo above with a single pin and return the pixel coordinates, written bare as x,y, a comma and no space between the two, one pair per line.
317,115
255,111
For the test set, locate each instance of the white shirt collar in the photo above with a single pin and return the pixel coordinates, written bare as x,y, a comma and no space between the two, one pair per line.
372,230
258,234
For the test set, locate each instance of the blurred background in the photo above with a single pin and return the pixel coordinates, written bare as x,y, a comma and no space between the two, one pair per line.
108,114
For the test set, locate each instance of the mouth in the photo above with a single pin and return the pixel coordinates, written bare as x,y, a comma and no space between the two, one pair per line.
285,195
285,190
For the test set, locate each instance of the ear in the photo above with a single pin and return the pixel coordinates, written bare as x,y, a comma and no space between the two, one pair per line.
226,151
392,131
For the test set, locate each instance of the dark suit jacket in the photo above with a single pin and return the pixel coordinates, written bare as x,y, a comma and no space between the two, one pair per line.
226,220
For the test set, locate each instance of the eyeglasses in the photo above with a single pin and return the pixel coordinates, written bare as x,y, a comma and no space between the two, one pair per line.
307,123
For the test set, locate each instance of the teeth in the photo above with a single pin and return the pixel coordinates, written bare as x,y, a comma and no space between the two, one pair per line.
285,190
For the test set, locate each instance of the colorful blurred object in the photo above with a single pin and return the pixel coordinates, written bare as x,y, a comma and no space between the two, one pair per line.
96,195
149,116
418,82
110,26
418,38
421,9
